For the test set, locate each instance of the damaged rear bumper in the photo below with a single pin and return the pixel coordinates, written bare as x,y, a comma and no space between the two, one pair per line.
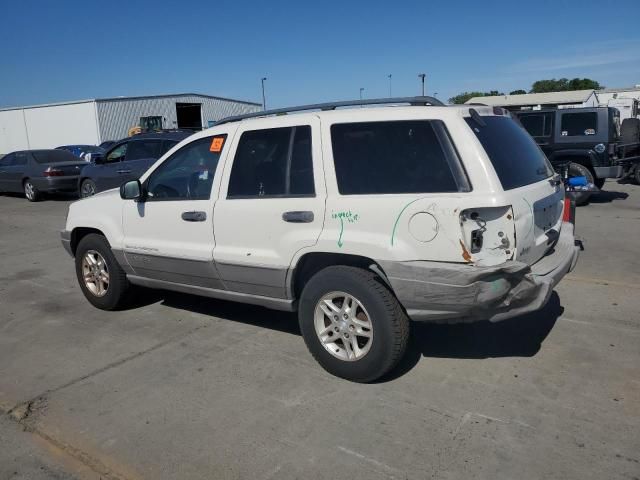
451,293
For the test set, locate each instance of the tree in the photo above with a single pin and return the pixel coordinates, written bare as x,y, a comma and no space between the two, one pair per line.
564,84
518,92
465,96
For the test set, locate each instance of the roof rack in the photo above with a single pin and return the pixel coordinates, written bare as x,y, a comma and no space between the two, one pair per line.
414,101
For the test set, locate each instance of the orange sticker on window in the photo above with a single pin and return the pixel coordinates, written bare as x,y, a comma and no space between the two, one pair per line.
216,144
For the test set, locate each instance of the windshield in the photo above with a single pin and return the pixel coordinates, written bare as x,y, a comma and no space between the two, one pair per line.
515,156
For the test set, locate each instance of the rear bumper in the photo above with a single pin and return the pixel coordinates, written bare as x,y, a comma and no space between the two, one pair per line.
614,171
56,184
452,293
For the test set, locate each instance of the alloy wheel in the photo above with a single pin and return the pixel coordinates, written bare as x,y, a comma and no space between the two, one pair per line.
29,191
95,273
88,189
343,326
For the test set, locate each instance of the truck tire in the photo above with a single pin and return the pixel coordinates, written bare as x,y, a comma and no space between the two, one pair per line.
636,173
599,182
101,279
352,324
630,130
579,170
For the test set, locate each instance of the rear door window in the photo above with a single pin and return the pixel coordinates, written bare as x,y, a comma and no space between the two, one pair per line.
20,159
515,156
580,123
274,162
412,156
538,125
140,149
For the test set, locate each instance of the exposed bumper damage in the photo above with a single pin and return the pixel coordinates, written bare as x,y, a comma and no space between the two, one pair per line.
451,293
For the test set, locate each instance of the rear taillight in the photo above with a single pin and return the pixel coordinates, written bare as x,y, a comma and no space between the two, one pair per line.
53,172
569,212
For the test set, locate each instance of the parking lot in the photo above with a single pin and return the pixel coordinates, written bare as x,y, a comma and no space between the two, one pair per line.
187,387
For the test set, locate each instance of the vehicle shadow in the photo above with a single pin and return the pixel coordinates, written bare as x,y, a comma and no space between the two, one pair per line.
605,196
517,337
285,322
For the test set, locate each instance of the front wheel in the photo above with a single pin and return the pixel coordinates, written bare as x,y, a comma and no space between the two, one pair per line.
579,170
636,174
599,182
352,323
30,191
102,280
87,188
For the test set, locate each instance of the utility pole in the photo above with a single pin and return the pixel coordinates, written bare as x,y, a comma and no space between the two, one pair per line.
421,77
389,85
264,99
361,90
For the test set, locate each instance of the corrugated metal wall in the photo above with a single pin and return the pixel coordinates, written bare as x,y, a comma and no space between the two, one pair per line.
116,116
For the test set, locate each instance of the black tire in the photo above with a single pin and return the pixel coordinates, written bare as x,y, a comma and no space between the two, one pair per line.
389,322
630,130
30,191
578,170
599,182
636,173
87,188
118,289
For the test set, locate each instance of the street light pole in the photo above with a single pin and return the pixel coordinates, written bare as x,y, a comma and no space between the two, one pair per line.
389,85
264,99
361,90
421,76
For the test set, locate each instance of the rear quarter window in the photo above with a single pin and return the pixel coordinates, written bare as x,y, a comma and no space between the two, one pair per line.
516,158
394,157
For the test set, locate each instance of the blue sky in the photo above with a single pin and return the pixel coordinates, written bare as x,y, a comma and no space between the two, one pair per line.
310,51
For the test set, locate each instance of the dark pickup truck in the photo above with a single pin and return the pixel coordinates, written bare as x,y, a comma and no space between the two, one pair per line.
586,140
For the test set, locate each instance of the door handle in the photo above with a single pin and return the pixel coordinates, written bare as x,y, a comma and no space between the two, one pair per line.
298,217
123,171
194,216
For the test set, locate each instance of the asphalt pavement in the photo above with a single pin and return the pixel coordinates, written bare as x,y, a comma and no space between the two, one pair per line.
182,387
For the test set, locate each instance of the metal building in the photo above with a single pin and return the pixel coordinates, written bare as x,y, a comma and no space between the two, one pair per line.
91,122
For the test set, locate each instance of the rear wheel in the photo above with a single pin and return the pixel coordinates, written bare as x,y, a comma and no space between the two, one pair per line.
352,323
599,182
30,191
102,280
579,170
87,188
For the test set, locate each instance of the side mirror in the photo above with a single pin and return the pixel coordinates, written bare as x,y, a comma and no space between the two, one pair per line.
97,158
131,190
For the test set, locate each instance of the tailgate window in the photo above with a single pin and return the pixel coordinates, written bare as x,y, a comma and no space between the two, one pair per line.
516,158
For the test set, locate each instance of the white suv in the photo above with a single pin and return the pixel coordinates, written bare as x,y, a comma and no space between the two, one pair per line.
358,218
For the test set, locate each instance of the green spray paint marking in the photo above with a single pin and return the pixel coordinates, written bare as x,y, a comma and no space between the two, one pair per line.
395,225
349,217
